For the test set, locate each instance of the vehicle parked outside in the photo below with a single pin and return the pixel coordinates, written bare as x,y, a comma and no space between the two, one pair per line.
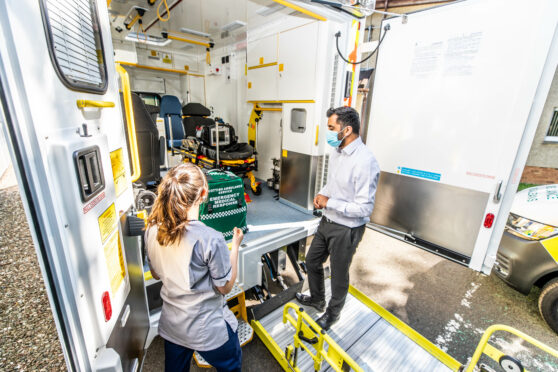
528,252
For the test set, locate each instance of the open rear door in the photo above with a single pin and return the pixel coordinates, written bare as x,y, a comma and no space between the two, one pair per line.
457,97
59,95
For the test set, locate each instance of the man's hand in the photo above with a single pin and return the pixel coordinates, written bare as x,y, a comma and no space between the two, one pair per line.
320,201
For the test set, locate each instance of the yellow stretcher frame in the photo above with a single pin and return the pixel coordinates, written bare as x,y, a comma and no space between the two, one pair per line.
336,357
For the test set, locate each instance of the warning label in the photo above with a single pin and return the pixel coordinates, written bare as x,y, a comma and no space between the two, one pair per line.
118,171
115,262
107,222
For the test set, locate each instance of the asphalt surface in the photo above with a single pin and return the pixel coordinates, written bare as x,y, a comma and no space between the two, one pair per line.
447,303
28,337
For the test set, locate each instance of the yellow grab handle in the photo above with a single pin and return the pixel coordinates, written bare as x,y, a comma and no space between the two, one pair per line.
81,103
127,93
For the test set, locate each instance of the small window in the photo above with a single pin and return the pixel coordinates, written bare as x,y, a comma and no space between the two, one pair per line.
75,44
298,120
152,99
552,134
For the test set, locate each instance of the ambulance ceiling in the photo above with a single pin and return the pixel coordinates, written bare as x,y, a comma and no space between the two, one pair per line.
213,17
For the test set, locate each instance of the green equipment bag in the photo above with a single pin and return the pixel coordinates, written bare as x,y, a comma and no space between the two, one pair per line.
225,207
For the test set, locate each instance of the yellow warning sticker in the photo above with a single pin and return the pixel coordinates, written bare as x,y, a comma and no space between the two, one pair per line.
107,222
551,246
115,262
285,153
118,171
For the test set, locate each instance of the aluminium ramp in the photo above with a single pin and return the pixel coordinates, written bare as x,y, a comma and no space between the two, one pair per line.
374,338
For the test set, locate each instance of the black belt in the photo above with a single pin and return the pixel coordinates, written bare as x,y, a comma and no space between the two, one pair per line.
337,223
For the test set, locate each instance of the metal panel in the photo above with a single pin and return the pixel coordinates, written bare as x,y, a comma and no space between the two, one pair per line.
364,335
384,348
298,178
445,215
130,332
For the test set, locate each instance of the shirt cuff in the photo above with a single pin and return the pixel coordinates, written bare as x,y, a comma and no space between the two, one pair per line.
220,282
335,204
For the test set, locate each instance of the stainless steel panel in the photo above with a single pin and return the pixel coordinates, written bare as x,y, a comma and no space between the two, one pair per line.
130,331
384,348
370,340
298,178
447,216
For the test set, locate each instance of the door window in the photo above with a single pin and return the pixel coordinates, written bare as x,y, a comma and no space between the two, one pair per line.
75,45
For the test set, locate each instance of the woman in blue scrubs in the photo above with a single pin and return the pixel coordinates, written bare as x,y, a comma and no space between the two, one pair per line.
197,270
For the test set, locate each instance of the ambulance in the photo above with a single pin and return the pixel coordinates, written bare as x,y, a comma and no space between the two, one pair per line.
96,95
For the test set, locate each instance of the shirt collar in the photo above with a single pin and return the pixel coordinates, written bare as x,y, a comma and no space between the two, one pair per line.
351,147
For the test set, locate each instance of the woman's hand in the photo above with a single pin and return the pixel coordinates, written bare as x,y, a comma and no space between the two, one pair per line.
238,235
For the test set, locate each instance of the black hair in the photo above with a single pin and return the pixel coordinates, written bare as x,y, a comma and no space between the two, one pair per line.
346,116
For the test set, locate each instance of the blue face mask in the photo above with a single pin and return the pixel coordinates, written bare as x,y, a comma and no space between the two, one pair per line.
332,140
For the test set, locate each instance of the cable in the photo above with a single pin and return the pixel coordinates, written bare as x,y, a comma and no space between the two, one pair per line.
159,11
338,34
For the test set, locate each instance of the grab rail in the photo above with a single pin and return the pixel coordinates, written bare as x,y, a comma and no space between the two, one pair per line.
306,330
127,93
81,103
496,355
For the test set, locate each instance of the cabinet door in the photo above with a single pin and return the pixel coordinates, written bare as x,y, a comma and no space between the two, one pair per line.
297,63
262,84
262,51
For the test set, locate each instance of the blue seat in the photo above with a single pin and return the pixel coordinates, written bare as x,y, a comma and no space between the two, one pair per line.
171,112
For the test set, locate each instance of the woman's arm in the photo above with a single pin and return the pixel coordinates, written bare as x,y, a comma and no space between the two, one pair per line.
236,240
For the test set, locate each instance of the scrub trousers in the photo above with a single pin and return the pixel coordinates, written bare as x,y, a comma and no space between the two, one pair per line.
226,358
339,242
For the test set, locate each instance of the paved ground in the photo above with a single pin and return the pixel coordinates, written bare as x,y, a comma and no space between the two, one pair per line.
447,303
28,338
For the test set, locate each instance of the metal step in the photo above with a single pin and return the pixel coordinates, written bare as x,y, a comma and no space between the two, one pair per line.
370,340
245,335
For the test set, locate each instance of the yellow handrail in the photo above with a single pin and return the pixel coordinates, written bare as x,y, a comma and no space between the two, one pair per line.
306,327
81,103
127,93
190,41
483,344
300,9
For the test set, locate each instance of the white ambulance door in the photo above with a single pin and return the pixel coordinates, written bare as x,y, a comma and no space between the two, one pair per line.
61,102
457,96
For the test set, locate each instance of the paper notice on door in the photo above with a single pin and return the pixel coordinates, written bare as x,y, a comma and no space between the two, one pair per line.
118,171
115,262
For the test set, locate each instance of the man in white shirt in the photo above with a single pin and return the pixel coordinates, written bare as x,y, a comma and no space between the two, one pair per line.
347,201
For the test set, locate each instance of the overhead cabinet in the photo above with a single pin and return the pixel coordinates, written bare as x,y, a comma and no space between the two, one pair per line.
283,66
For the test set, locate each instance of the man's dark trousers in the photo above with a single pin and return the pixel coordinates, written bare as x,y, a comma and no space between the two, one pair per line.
340,243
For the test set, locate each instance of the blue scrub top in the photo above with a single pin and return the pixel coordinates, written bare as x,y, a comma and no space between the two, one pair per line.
194,312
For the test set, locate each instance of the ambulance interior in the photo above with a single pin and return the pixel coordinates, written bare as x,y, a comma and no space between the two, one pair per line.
256,65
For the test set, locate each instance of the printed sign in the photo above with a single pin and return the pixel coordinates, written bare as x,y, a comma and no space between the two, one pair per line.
118,171
115,261
107,222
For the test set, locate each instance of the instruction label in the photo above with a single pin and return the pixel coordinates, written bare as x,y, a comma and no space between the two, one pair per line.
118,171
107,222
419,173
115,262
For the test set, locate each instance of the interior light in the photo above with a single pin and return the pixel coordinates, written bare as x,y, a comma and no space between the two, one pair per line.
233,26
194,32
146,39
270,9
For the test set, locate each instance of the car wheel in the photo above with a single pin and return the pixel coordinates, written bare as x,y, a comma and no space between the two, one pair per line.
548,304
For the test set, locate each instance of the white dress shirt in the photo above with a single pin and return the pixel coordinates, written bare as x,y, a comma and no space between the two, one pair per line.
351,185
